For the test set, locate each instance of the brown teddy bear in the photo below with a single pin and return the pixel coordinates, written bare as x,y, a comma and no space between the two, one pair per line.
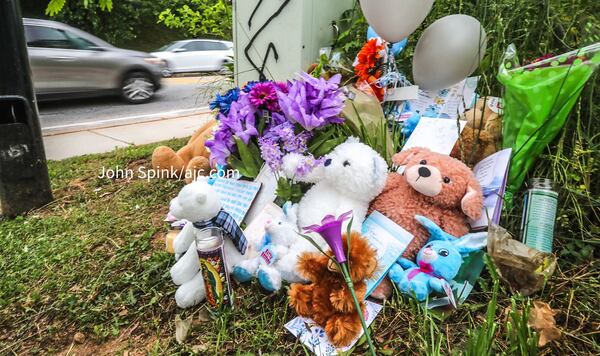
482,136
189,161
434,185
327,299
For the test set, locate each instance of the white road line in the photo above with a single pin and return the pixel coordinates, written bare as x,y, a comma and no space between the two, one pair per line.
126,118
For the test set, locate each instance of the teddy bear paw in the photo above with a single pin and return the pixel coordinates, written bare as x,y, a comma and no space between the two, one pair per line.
241,274
269,279
342,329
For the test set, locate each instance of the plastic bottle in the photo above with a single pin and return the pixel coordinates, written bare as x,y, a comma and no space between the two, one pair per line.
539,215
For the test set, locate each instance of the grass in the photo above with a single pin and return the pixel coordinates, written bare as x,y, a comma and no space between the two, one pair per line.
93,261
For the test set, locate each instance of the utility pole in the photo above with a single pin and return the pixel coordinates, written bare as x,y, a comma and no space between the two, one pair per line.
24,181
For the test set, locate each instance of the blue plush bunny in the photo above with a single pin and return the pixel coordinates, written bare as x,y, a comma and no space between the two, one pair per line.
438,261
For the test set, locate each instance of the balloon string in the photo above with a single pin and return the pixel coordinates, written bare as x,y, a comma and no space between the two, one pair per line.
392,77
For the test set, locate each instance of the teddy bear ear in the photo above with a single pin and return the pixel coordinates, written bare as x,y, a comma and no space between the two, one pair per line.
352,139
472,203
401,158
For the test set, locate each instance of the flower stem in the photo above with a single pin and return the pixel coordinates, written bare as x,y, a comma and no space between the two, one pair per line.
357,306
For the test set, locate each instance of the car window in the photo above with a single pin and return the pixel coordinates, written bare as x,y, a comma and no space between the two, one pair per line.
193,46
215,46
46,37
39,36
80,42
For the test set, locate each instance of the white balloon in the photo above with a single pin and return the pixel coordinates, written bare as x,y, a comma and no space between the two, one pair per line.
448,51
394,20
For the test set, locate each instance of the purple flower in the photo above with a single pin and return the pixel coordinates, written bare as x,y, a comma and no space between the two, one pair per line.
241,119
263,95
270,152
331,231
277,119
307,164
223,102
221,145
313,102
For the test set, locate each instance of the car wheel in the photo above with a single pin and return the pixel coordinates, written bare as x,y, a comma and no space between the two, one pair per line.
137,87
224,70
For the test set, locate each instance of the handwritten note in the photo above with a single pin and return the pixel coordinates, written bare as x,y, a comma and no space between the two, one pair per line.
439,135
236,196
388,239
491,173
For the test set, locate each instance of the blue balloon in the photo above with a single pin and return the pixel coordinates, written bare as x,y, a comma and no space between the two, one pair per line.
396,47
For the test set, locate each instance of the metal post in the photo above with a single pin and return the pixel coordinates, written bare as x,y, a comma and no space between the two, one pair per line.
24,181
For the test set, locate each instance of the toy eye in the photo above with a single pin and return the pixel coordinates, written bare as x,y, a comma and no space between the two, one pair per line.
423,162
446,180
346,163
444,252
279,223
428,245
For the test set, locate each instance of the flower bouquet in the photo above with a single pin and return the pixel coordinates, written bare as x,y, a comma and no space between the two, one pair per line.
262,121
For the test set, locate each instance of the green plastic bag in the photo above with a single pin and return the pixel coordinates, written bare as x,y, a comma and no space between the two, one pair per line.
537,100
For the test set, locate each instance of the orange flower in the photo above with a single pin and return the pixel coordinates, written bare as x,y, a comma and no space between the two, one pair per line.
369,58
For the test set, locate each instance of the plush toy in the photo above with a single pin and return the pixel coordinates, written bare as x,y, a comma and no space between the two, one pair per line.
482,136
199,203
190,161
438,262
277,255
349,177
326,299
433,185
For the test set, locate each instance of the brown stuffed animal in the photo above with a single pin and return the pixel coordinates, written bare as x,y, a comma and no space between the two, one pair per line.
189,161
482,136
434,185
327,299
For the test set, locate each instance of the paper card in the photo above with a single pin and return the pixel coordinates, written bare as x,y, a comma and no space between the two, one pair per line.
313,336
388,239
236,196
447,103
491,173
265,195
439,135
256,228
402,93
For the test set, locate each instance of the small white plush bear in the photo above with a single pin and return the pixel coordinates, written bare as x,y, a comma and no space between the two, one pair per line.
350,177
277,254
197,201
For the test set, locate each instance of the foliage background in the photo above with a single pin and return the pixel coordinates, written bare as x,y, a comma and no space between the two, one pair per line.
139,24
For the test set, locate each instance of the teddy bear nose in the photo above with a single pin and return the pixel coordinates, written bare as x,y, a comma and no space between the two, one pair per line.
424,172
327,162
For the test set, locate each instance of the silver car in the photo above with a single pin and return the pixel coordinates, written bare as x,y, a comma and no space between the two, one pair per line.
66,61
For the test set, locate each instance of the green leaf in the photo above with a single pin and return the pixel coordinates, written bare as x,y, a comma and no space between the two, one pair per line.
250,158
54,7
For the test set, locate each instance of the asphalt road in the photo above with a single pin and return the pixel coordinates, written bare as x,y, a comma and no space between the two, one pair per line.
178,96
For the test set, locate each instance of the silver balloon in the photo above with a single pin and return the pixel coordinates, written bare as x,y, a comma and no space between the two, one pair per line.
448,51
394,20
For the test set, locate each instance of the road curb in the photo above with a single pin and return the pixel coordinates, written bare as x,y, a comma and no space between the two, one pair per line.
125,121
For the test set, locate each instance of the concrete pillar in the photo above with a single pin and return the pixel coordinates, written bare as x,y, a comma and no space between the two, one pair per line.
277,38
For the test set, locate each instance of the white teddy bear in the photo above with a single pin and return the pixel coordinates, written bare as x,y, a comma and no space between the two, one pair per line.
196,202
350,177
277,254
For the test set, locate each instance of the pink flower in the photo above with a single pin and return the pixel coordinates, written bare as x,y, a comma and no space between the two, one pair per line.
263,95
331,231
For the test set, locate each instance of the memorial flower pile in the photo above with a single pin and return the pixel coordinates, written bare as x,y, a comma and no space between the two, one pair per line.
262,121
